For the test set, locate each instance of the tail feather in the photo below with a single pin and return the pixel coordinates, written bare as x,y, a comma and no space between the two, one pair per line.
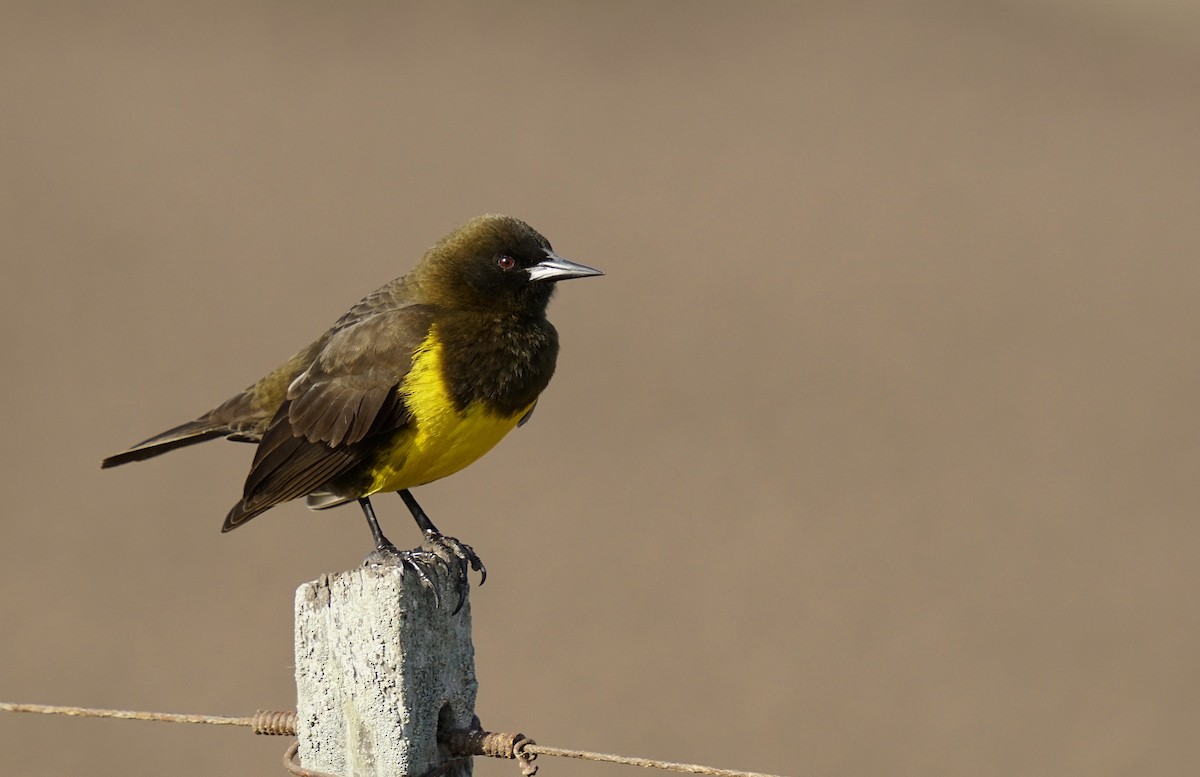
240,514
185,434
323,500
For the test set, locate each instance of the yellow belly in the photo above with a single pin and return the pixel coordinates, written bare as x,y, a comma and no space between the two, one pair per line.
441,440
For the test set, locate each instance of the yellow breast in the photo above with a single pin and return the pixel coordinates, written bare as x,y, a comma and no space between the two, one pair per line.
441,440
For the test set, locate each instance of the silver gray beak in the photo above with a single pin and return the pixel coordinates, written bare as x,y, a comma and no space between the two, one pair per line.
555,268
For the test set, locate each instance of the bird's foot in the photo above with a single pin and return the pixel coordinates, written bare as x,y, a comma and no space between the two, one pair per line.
457,556
419,560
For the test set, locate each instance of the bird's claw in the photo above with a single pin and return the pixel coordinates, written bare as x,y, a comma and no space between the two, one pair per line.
419,560
456,555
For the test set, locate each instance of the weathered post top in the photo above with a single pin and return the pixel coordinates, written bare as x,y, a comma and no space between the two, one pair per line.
379,665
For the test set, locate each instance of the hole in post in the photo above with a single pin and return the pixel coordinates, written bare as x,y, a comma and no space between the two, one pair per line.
445,723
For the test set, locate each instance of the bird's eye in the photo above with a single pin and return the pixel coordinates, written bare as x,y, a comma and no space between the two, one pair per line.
506,262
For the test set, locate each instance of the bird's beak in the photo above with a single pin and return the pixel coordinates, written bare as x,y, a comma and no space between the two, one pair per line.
555,268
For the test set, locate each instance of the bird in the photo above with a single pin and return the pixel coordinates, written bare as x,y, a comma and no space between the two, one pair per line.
415,382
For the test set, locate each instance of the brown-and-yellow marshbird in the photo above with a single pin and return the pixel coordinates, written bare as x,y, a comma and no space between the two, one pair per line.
415,382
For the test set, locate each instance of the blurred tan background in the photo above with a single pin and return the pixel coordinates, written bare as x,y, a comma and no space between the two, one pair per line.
875,453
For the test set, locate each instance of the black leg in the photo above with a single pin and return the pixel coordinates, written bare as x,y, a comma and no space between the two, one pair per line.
418,514
386,552
447,548
381,543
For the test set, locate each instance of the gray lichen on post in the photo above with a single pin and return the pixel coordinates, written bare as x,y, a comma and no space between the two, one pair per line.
378,665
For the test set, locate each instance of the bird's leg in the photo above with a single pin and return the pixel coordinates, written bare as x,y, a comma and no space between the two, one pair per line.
460,549
382,544
386,552
418,514
446,548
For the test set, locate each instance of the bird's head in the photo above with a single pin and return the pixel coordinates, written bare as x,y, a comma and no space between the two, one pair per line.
497,263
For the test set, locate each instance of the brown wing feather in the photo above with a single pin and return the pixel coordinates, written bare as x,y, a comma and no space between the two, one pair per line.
292,468
335,410
337,399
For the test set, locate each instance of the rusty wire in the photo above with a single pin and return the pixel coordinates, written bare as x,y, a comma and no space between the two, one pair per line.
492,744
649,763
460,743
289,763
267,722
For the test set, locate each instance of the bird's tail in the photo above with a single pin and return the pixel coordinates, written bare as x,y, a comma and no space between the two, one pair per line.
241,513
185,434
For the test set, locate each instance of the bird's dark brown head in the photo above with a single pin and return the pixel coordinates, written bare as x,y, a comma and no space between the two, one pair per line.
495,263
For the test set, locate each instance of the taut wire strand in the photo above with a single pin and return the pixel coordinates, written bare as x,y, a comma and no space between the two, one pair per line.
648,763
165,717
268,722
464,743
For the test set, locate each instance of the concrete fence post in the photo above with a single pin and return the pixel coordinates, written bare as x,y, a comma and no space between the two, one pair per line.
379,666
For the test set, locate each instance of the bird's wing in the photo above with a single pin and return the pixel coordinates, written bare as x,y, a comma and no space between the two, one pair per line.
335,408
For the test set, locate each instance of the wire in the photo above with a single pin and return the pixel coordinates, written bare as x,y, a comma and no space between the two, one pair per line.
266,722
461,743
648,763
85,712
